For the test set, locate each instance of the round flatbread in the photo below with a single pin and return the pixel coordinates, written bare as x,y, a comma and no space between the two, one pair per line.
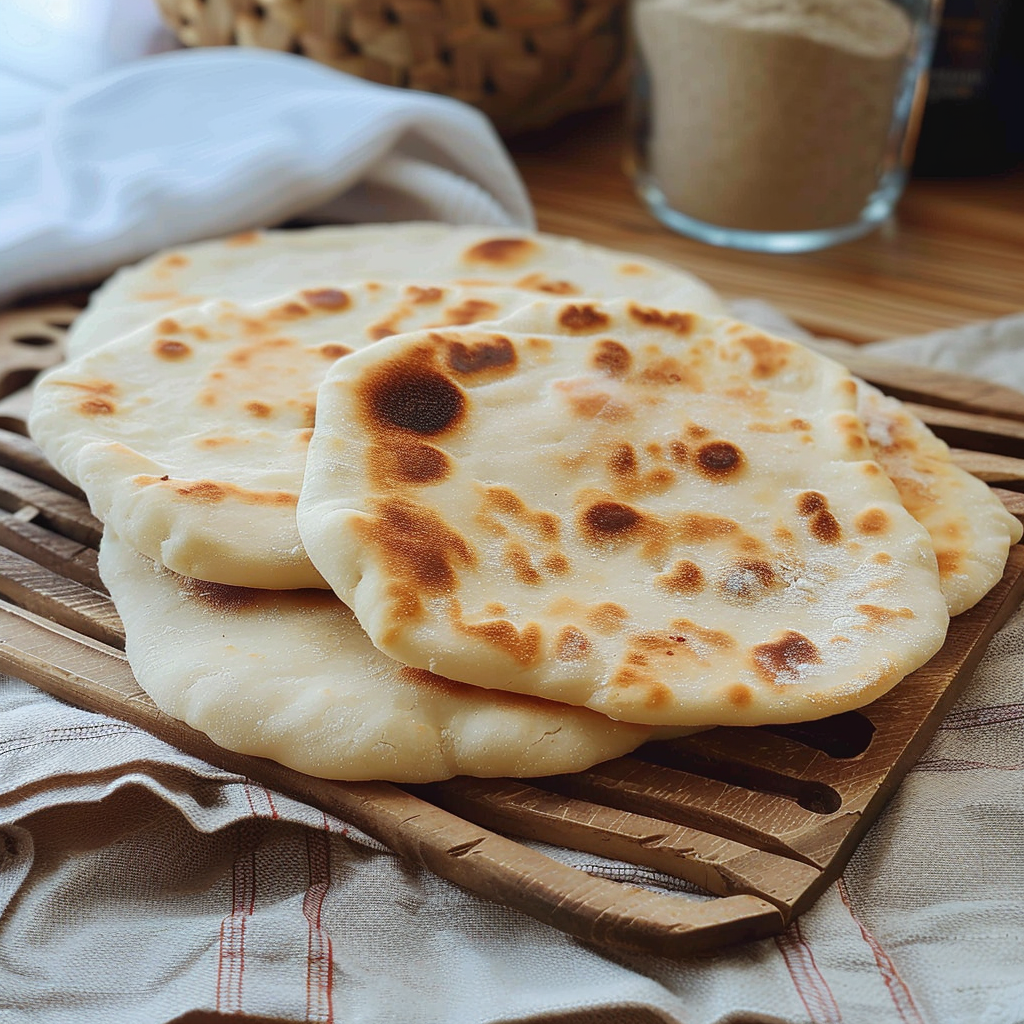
970,528
259,265
291,676
189,434
668,518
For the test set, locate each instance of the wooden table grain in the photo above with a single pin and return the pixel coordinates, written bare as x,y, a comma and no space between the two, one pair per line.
952,254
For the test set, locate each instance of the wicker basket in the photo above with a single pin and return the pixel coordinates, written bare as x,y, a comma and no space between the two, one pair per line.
525,63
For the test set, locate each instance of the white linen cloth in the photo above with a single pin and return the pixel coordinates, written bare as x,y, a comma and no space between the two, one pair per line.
138,884
100,171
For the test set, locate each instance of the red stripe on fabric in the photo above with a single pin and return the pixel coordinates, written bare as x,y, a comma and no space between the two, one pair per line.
894,984
970,718
809,982
231,952
319,958
270,802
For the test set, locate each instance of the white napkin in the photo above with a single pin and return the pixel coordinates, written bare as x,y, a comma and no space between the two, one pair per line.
197,143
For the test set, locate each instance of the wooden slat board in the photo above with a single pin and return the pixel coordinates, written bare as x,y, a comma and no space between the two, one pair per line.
761,819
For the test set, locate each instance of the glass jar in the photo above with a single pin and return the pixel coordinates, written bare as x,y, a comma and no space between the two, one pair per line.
777,125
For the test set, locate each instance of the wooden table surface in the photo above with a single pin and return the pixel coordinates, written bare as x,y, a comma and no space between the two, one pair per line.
953,253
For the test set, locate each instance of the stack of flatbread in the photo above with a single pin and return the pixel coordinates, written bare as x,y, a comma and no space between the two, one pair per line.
415,501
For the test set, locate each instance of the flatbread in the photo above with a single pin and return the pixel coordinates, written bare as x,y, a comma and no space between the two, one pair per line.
291,676
259,265
189,434
970,528
665,517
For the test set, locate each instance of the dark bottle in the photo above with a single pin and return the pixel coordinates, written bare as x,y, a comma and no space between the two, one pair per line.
974,115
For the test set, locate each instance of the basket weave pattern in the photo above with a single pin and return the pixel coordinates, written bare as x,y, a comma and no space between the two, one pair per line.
525,63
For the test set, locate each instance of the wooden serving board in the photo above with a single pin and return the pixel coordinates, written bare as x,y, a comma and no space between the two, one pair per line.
761,819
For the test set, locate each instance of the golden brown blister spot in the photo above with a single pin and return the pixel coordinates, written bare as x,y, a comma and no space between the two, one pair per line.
749,580
405,606
518,559
289,311
695,431
171,350
380,331
215,442
607,617
622,461
521,645
495,608
505,252
505,501
328,300
589,404
679,452
881,617
540,283
404,461
213,491
652,644
305,435
488,355
308,412
716,639
171,262
770,355
700,527
825,528
243,238
605,522
572,644
949,561
555,564
739,695
882,558
582,318
97,387
417,547
667,372
634,677
410,395
783,535
781,660
244,356
168,326
778,428
822,524
633,269
96,407
679,323
424,296
872,521
685,577
611,357
471,311
719,461
258,409
810,502
852,431
332,350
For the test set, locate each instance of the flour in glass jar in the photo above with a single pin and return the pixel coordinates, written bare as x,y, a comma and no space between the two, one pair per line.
770,115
